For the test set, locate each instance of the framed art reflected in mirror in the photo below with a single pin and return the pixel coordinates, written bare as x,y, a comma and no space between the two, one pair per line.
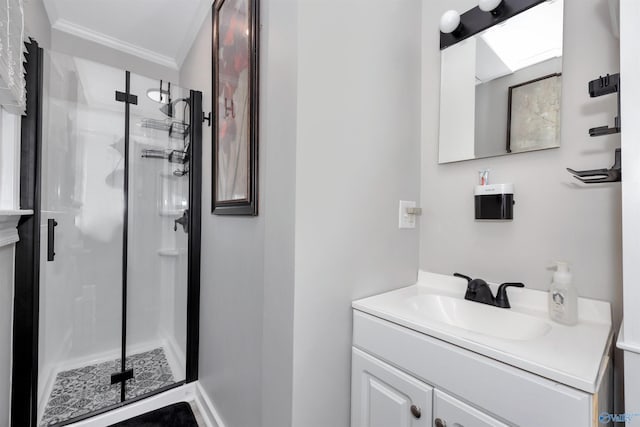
235,107
533,122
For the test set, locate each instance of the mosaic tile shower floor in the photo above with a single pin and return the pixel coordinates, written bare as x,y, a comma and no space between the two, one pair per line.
80,391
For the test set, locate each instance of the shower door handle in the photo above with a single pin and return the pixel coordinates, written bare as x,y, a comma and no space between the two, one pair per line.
51,238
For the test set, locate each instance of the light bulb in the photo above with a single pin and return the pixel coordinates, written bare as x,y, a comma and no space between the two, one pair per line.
489,5
449,21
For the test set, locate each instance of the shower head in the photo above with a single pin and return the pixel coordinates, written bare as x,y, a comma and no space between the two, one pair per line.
168,109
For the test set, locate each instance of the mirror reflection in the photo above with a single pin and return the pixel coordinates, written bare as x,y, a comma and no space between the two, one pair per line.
500,89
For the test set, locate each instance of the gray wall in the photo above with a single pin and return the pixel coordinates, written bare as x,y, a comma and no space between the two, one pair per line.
247,271
358,154
6,312
334,163
36,22
555,217
492,106
232,281
278,133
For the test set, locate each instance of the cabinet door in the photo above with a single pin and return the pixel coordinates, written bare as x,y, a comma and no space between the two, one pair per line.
450,412
383,396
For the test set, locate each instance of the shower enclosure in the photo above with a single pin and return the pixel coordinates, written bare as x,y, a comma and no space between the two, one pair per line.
119,238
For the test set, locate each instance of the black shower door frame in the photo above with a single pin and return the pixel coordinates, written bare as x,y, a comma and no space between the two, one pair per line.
24,390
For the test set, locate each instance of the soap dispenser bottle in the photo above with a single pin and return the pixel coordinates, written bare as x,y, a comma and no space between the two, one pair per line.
563,297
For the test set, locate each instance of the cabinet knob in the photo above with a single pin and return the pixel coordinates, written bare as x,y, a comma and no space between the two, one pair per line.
439,423
416,411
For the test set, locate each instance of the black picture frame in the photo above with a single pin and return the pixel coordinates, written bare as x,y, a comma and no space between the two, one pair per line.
235,83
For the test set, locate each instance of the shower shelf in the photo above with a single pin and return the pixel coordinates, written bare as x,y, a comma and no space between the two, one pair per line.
169,252
171,212
167,175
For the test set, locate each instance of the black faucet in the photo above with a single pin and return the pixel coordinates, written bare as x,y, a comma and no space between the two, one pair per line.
502,300
479,291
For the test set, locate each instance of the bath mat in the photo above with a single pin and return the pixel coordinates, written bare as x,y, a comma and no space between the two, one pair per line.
176,415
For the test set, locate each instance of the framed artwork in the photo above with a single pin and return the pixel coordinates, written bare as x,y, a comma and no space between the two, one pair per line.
235,107
533,121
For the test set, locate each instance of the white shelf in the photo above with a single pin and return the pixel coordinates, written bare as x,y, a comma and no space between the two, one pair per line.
169,252
171,212
168,175
14,212
9,223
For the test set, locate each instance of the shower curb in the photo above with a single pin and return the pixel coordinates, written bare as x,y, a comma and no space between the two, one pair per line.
191,392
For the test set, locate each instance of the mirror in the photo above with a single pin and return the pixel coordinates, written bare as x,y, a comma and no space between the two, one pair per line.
500,89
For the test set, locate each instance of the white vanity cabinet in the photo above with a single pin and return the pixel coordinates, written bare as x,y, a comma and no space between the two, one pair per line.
383,396
424,356
395,368
449,411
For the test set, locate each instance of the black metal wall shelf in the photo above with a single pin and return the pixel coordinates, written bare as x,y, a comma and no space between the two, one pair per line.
600,87
606,86
595,176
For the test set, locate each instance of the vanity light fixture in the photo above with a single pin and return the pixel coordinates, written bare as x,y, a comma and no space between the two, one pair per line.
492,6
450,23
456,27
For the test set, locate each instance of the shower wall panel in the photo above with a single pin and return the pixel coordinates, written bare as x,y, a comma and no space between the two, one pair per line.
158,196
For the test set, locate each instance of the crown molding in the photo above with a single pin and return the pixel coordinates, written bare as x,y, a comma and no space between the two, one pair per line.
88,34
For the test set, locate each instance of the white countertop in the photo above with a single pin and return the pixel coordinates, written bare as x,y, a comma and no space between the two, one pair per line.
571,355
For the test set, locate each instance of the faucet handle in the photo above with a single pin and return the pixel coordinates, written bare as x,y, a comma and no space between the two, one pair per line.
463,277
502,300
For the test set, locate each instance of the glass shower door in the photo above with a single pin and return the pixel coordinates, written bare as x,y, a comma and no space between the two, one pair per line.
158,235
81,238
114,238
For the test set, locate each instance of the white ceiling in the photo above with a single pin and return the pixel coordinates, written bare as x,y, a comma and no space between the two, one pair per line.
161,31
521,43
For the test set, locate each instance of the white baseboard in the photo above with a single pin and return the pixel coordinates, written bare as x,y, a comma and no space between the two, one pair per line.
206,407
191,392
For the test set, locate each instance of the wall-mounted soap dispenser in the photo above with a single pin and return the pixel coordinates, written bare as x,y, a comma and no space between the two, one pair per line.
494,202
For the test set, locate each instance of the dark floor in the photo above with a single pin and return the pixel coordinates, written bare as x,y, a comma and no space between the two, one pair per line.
176,415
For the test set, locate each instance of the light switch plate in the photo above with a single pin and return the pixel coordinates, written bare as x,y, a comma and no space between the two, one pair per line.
404,219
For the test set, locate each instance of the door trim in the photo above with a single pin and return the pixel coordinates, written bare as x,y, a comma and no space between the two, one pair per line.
24,384
195,212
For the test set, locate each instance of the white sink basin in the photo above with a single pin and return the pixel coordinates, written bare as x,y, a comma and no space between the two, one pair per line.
522,336
480,318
